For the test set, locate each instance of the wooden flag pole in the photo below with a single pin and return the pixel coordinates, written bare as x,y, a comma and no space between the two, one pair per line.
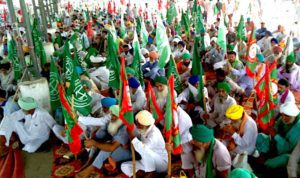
133,161
169,161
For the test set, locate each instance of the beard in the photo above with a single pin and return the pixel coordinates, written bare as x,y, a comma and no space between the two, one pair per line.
161,97
236,124
199,154
114,126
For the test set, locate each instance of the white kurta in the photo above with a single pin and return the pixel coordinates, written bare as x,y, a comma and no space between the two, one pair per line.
293,165
290,98
151,147
138,100
33,130
101,77
247,142
217,117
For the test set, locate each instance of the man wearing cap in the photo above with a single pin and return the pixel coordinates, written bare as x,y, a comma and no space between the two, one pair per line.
188,98
138,97
99,72
291,72
145,56
242,131
284,137
150,146
222,102
32,124
115,150
212,158
151,69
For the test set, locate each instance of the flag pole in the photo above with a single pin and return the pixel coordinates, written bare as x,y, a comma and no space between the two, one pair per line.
133,160
169,160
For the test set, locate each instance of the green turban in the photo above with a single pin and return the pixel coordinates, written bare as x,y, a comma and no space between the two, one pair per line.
225,86
27,103
241,173
130,71
291,58
201,133
115,110
161,79
186,56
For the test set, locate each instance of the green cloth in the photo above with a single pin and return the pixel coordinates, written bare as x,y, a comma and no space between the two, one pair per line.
130,71
224,85
279,161
263,143
87,83
27,103
291,58
209,163
161,79
201,133
186,56
241,173
115,110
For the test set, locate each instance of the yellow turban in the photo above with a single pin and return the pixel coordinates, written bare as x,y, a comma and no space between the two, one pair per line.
235,112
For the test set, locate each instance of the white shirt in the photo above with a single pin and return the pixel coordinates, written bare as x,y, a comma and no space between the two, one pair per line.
248,140
138,99
101,77
293,164
185,123
290,98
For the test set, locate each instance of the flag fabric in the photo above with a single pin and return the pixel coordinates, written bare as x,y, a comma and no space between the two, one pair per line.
171,119
267,104
221,41
178,29
241,31
159,5
290,50
4,15
251,60
112,62
171,13
122,28
73,131
137,59
138,25
185,22
89,30
37,42
199,23
162,42
144,34
172,70
13,57
53,82
126,112
69,7
87,16
82,101
68,62
195,7
110,9
91,52
153,106
197,69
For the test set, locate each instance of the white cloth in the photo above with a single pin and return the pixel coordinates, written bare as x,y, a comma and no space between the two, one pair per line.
101,77
293,164
221,160
153,153
217,117
33,130
138,100
92,121
290,98
248,140
7,80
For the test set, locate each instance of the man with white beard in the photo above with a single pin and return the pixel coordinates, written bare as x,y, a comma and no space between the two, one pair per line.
161,91
115,150
151,147
212,158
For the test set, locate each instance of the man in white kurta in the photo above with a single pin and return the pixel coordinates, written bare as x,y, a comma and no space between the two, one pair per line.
99,74
151,147
138,97
285,95
32,124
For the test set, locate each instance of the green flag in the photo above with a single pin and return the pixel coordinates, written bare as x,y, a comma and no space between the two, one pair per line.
162,43
138,25
54,81
221,41
122,28
112,62
137,59
12,56
185,22
199,24
38,43
68,62
91,52
171,13
144,34
241,33
86,16
82,101
172,70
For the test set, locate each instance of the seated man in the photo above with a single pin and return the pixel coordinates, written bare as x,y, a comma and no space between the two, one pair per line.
285,94
114,150
151,147
285,136
31,123
151,69
211,156
242,131
138,97
222,102
291,72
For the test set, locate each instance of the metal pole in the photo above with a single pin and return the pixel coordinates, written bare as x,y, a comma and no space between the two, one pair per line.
29,39
44,19
55,6
48,13
16,32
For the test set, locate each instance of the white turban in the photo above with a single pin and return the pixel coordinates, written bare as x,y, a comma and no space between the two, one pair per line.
289,109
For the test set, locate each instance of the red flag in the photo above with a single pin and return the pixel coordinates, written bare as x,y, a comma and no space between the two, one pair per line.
115,8
251,55
89,30
140,11
109,8
159,5
4,15
2,2
126,112
73,129
168,4
69,7
153,106
123,2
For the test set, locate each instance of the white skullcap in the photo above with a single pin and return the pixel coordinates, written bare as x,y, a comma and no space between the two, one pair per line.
176,40
214,39
219,65
289,109
97,59
144,51
145,118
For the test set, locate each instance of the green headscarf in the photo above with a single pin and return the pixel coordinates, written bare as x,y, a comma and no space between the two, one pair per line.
241,173
224,85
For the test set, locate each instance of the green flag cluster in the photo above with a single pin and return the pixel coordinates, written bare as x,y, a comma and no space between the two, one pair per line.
137,59
171,13
172,70
38,42
53,82
13,57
